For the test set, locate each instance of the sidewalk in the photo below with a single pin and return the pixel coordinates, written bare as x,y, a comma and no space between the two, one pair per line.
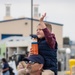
61,72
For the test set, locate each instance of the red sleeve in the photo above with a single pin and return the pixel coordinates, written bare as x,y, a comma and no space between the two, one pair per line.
50,38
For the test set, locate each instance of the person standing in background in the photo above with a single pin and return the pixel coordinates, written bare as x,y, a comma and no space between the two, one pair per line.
5,68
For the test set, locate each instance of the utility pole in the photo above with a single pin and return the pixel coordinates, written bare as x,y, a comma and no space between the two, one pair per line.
31,17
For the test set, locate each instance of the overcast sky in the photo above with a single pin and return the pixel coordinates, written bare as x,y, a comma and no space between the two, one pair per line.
58,11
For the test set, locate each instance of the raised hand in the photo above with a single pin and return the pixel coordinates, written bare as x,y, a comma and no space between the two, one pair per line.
42,24
42,18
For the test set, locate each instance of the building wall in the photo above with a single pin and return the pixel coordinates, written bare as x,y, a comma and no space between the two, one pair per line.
23,26
58,31
14,27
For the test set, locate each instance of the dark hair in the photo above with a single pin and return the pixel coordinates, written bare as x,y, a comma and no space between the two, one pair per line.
4,60
10,58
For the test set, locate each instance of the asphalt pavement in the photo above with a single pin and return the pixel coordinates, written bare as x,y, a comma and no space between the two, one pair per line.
61,73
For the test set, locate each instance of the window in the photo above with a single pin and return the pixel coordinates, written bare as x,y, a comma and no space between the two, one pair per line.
7,11
35,11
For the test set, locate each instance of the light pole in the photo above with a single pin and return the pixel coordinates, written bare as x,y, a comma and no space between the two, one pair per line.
31,17
68,51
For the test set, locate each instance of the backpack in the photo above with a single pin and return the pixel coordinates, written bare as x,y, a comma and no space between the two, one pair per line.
11,71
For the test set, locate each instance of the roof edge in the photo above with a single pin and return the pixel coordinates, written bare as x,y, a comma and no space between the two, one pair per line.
30,19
